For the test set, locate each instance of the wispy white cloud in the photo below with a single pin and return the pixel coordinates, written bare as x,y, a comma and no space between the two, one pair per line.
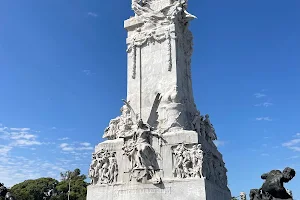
23,168
20,129
295,148
22,135
260,95
53,128
85,144
17,140
293,157
74,147
265,104
291,143
92,14
84,148
26,143
4,150
264,119
19,137
65,138
87,72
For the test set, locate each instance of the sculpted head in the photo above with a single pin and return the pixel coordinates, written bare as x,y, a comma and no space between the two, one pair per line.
289,173
206,116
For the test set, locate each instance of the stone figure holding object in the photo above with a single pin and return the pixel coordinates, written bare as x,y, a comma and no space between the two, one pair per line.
141,154
272,188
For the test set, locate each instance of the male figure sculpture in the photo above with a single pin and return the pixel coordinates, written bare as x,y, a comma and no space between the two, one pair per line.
273,186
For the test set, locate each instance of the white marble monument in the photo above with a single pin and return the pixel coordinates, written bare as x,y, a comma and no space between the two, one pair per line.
160,147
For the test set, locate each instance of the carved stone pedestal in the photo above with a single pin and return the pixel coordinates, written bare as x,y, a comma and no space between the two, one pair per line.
189,189
211,184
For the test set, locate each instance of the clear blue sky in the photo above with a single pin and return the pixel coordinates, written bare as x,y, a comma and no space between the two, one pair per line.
63,75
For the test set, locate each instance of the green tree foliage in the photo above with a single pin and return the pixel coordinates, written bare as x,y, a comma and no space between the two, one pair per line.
32,189
77,186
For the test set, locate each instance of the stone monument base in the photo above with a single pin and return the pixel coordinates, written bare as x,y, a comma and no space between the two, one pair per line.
187,189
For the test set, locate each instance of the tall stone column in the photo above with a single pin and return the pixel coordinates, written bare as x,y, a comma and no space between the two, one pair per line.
160,147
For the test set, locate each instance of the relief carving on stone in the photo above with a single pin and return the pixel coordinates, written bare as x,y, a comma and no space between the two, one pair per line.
193,161
176,10
138,148
104,168
188,162
146,37
214,169
119,125
143,158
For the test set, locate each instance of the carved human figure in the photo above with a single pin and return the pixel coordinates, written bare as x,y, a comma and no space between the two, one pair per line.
141,154
180,7
178,168
104,168
209,129
111,132
125,120
92,170
113,168
197,160
188,161
273,185
196,124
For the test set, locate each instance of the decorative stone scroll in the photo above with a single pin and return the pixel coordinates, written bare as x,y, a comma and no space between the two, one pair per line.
104,168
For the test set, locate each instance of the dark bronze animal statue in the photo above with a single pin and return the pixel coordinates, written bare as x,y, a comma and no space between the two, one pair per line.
5,193
272,188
